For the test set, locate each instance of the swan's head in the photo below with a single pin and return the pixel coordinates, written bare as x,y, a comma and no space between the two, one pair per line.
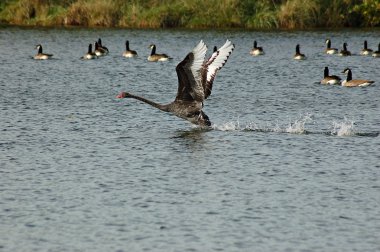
38,46
152,46
122,95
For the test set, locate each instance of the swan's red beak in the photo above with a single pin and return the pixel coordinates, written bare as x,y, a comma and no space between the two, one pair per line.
121,95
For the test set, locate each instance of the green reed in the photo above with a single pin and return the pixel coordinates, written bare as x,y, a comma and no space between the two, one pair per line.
252,14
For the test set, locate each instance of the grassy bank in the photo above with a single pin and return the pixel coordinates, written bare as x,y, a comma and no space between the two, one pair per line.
259,14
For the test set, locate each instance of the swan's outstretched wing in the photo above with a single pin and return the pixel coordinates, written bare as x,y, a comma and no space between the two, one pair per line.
213,64
189,75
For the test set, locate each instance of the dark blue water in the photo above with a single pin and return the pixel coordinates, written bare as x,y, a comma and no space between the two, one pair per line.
290,165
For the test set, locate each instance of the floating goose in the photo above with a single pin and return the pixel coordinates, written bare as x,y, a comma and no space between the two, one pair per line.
376,53
256,50
156,57
344,51
365,50
90,54
40,55
195,79
299,55
105,49
330,50
99,51
330,79
349,82
128,53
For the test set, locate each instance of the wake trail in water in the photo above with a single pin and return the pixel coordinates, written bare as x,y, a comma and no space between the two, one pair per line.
343,128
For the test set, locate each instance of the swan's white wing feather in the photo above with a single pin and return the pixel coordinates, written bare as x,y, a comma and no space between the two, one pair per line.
213,64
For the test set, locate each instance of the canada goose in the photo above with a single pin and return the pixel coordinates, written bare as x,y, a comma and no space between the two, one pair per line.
349,82
376,53
365,50
128,53
105,49
329,79
195,79
330,50
344,51
156,57
256,50
299,55
99,51
90,54
40,55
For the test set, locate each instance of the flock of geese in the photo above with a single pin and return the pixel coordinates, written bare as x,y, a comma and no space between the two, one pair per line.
100,50
344,52
336,80
196,75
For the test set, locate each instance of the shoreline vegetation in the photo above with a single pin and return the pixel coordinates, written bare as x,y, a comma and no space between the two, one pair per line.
193,14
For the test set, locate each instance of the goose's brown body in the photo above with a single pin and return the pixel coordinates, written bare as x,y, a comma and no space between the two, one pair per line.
329,49
40,55
128,53
349,82
329,79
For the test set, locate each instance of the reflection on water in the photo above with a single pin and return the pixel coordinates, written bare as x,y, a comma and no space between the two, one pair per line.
195,133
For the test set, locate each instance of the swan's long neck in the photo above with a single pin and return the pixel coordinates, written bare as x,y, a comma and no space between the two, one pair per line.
328,44
90,48
345,47
326,73
254,44
127,45
40,49
365,45
152,103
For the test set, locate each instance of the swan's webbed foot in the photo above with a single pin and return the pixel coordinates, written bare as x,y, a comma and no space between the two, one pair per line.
203,119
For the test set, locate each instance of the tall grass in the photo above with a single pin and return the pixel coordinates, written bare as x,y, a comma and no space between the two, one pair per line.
253,14
94,13
259,14
298,14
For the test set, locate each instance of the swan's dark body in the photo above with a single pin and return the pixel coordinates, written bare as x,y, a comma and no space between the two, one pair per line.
195,79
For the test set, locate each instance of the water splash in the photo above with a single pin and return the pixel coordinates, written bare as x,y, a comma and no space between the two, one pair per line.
344,128
228,126
298,127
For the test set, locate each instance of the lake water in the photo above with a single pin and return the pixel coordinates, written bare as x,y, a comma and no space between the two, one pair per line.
290,165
